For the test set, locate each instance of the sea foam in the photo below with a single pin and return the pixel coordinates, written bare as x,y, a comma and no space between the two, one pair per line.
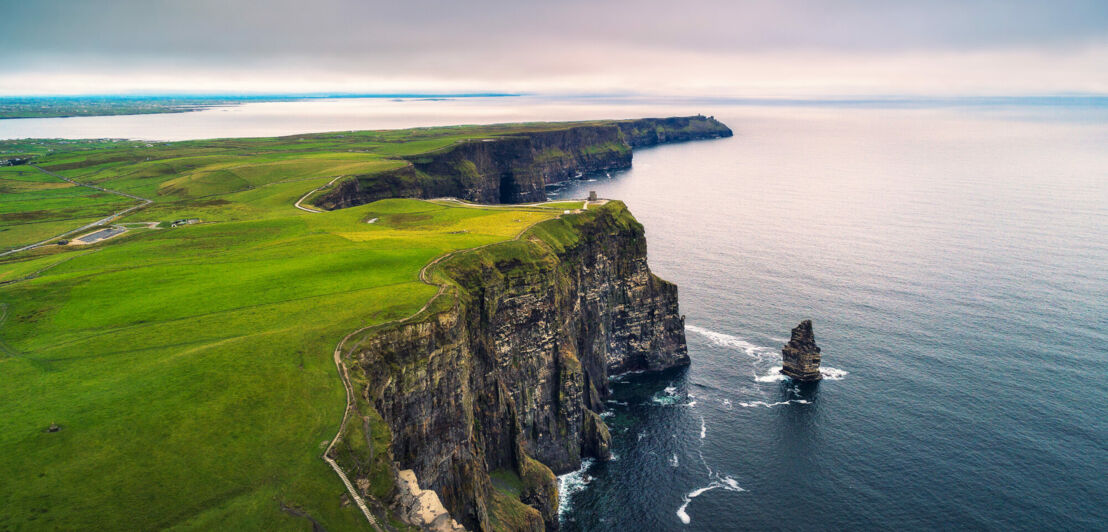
571,483
754,404
725,482
773,376
727,340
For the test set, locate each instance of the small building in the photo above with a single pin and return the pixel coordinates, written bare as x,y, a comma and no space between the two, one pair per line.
592,195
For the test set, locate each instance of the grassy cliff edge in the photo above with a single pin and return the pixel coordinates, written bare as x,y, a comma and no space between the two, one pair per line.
181,376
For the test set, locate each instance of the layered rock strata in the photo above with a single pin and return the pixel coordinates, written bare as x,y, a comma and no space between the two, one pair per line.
516,168
800,357
506,374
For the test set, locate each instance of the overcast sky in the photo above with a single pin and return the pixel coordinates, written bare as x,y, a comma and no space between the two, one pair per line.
735,48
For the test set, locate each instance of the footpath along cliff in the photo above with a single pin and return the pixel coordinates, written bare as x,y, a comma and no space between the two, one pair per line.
463,414
504,376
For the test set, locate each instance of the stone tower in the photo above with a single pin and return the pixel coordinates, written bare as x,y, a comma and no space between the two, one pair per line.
800,357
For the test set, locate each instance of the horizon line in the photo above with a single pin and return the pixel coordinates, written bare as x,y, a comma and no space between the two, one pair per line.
843,98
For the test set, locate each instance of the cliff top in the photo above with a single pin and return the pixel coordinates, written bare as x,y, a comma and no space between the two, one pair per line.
194,362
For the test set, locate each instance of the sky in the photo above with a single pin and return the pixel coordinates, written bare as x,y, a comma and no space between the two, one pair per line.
709,48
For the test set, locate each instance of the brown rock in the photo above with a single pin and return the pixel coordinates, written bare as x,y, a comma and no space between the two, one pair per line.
800,357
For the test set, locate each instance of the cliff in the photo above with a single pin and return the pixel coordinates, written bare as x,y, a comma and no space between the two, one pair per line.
516,167
499,385
652,131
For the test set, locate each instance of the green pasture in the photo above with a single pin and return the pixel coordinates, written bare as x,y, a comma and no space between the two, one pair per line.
190,369
35,206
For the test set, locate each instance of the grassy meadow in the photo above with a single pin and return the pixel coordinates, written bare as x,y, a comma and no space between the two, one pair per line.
35,206
189,369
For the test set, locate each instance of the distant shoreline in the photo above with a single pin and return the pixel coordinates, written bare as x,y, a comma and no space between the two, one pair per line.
23,107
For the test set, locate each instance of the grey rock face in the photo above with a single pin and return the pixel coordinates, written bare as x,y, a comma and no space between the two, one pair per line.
512,377
516,168
800,357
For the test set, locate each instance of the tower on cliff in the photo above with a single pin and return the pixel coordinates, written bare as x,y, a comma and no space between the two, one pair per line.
800,357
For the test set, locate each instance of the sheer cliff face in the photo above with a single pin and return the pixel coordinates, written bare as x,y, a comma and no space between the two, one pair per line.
512,376
516,168
652,131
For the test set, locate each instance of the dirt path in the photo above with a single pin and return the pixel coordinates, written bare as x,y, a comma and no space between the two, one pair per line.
102,221
424,276
312,191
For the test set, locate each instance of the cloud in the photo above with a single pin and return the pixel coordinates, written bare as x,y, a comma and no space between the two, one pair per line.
784,45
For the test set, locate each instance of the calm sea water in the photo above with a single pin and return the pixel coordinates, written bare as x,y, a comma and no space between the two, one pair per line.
952,258
955,265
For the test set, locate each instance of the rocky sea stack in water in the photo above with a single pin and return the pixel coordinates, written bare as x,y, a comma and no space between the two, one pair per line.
800,357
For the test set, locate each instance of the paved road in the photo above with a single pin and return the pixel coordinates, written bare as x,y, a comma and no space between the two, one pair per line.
101,221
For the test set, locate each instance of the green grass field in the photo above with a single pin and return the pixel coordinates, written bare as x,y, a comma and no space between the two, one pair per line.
190,369
35,206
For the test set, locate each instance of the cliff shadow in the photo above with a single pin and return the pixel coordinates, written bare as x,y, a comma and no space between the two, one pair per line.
509,188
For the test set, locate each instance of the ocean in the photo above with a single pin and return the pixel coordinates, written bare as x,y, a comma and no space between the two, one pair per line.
952,257
955,265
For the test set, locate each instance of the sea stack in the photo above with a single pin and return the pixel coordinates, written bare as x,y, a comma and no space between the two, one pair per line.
800,357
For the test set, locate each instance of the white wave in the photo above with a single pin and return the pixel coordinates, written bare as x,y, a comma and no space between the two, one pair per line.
725,482
673,461
641,435
727,403
727,340
682,514
607,414
571,483
833,374
730,484
619,377
774,375
753,404
668,396
703,428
